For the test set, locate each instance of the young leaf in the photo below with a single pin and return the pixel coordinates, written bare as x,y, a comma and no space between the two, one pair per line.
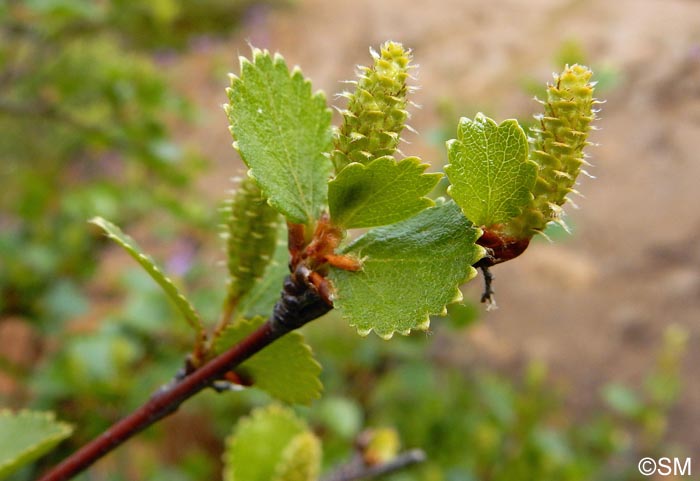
261,444
27,435
251,237
286,369
282,131
379,193
301,459
557,147
376,112
410,270
130,246
489,170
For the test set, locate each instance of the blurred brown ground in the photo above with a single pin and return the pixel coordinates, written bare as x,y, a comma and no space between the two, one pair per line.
593,306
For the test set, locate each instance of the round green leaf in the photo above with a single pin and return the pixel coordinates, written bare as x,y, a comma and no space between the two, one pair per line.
380,193
410,270
258,447
491,176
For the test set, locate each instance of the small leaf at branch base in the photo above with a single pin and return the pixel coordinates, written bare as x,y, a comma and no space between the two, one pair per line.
282,131
491,176
130,246
27,435
286,369
380,193
261,445
410,270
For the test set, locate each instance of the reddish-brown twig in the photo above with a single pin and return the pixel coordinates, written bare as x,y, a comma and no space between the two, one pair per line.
298,305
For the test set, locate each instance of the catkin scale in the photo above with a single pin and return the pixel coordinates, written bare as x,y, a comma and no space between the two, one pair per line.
251,236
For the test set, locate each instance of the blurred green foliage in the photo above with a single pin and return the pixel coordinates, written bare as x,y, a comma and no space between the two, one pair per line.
475,424
86,114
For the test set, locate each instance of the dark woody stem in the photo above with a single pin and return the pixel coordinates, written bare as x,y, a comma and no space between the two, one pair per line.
298,304
357,469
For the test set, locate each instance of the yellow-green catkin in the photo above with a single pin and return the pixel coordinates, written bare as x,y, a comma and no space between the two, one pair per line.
251,227
376,112
557,146
301,459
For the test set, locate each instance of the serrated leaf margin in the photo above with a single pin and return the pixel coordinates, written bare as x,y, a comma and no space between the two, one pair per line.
295,336
456,294
148,264
483,122
402,166
310,212
37,450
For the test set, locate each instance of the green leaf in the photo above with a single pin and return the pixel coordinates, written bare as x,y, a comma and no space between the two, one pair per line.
261,445
130,246
380,193
282,132
410,270
251,237
27,435
286,369
489,170
301,459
